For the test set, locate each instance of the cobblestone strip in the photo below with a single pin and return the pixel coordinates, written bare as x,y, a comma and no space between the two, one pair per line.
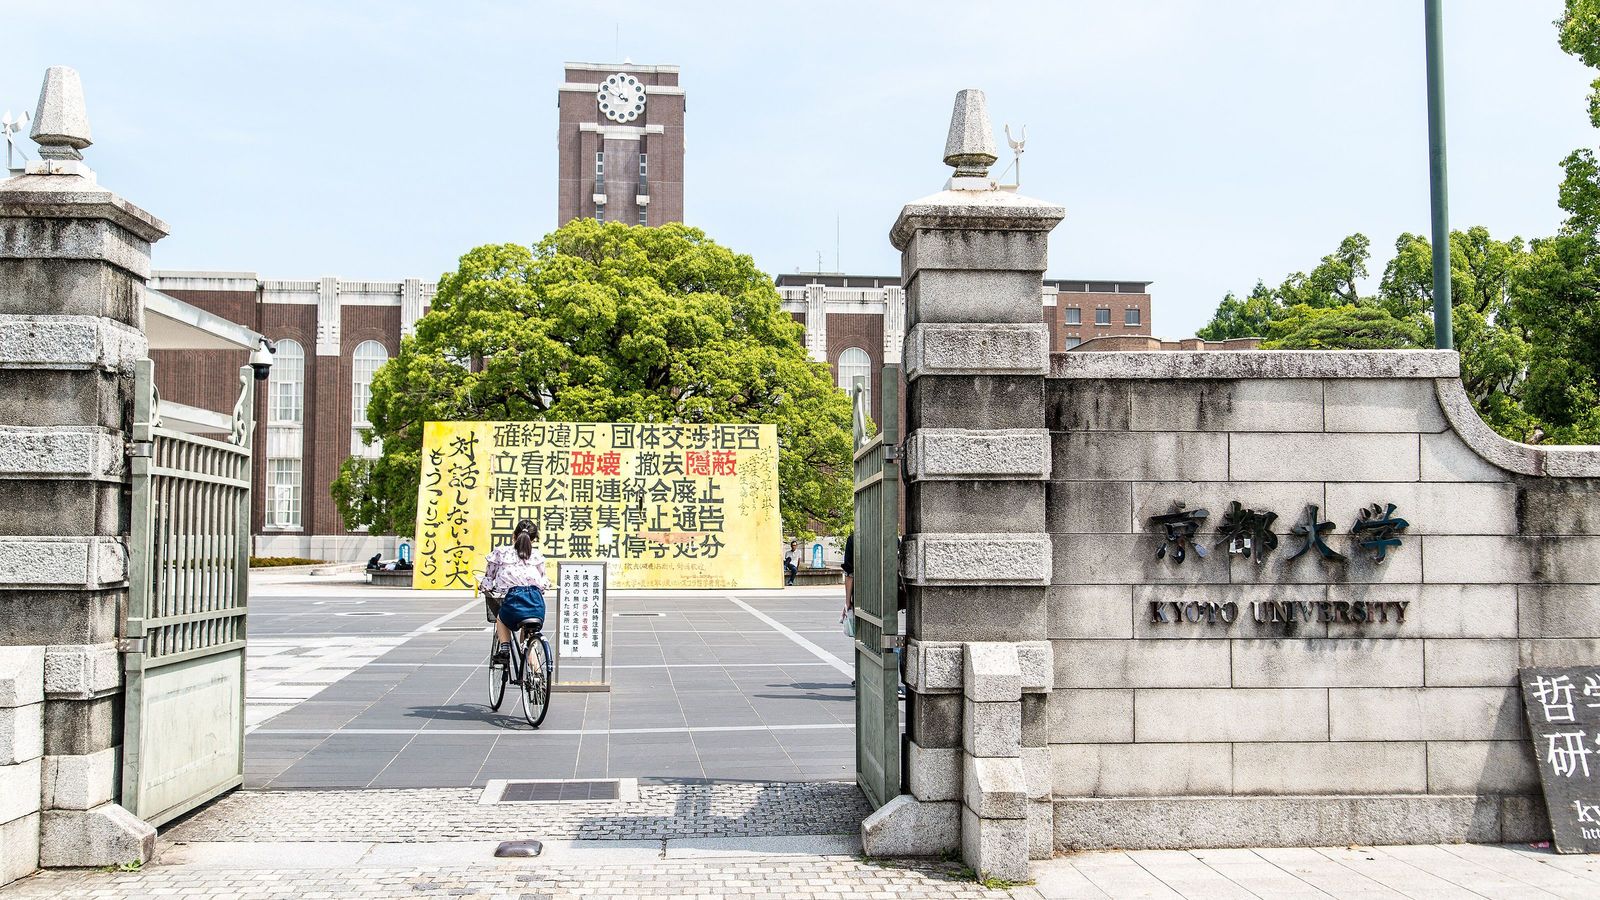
754,809
824,878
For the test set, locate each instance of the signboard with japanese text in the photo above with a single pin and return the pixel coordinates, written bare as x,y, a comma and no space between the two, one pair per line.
581,634
668,506
1563,706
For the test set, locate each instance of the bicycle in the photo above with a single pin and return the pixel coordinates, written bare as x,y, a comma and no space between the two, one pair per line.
529,665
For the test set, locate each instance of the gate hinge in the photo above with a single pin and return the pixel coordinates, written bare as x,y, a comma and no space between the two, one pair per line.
145,449
130,645
893,642
891,452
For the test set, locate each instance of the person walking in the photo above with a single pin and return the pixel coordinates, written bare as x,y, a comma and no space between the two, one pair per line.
791,563
517,572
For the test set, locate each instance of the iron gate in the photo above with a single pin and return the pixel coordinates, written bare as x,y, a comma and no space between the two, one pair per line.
877,607
189,546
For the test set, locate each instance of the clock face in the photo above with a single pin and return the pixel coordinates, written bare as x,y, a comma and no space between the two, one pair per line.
621,98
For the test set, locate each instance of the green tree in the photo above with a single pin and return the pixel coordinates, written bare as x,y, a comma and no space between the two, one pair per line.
607,323
1242,317
1348,327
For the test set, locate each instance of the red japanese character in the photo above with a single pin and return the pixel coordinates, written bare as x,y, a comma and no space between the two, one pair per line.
698,462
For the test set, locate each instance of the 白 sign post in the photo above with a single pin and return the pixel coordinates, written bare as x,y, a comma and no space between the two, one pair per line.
1563,706
581,631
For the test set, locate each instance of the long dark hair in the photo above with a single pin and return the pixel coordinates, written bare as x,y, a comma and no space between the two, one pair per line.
523,537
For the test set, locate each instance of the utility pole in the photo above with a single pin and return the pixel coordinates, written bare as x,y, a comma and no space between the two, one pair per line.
1443,336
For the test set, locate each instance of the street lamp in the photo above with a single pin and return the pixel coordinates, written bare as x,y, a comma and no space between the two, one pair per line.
1443,336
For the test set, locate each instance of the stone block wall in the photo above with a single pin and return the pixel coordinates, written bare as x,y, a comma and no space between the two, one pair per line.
73,263
1236,700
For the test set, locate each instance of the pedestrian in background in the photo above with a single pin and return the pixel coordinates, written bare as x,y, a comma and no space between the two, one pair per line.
791,563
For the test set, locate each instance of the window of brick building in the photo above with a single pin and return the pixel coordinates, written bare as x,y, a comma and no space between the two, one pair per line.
644,216
286,383
854,362
369,356
599,169
1102,317
1074,315
1130,316
644,173
1073,341
283,493
285,438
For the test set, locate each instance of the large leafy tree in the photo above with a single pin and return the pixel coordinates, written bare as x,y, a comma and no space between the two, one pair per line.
607,323
1326,310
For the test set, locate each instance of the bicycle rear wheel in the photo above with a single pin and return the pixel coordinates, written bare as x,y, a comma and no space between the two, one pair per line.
499,672
535,679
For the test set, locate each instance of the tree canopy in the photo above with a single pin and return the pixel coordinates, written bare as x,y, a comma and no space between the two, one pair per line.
1526,316
607,323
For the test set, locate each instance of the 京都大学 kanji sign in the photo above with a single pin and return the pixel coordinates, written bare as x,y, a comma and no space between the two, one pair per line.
672,506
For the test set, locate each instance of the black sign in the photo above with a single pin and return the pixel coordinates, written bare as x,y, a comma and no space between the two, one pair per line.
1563,706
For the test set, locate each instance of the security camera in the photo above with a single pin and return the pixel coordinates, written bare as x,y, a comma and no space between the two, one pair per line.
261,358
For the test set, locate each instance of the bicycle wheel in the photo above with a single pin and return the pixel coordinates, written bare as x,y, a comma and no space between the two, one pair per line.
498,674
535,679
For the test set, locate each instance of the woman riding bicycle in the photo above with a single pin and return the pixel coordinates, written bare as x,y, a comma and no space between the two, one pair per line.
516,572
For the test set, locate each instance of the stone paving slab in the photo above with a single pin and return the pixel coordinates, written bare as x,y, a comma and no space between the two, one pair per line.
675,810
816,878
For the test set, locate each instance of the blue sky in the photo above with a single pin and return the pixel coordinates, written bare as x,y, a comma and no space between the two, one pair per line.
1196,145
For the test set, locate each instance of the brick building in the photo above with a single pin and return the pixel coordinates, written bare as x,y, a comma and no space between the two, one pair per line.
620,144
856,323
331,336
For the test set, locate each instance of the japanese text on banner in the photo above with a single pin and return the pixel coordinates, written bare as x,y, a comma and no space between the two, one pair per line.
671,506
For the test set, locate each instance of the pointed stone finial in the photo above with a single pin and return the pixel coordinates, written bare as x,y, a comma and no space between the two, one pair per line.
970,146
61,124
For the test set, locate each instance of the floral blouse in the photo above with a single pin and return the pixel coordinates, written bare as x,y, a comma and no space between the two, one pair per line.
507,570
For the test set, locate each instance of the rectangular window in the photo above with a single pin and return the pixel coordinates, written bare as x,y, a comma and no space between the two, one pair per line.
1073,342
1130,316
599,169
1074,316
283,493
644,212
644,173
1102,317
599,212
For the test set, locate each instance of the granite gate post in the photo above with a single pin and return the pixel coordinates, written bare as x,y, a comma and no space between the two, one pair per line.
73,262
977,553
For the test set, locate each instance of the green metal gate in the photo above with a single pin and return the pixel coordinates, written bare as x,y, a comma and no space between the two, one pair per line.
877,608
189,549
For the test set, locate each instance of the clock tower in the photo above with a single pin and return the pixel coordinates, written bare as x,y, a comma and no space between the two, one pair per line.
620,140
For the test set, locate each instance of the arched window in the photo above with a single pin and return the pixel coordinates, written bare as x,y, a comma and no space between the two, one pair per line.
370,355
853,362
286,384
285,438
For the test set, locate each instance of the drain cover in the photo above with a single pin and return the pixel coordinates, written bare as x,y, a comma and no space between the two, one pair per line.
519,848
640,615
367,612
557,791
560,790
462,628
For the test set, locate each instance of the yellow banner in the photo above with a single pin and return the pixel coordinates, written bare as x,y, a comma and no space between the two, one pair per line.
671,506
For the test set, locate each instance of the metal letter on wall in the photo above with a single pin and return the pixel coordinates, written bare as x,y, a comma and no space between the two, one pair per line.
188,554
877,593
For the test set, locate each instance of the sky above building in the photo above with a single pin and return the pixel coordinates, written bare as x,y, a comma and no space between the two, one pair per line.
1200,146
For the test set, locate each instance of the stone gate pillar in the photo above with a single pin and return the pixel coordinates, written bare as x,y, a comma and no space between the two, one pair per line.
73,263
977,555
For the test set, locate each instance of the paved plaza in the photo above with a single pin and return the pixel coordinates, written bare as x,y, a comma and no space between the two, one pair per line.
814,869
353,686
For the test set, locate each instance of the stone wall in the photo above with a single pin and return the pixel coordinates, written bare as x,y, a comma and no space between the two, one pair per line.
1233,700
73,263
